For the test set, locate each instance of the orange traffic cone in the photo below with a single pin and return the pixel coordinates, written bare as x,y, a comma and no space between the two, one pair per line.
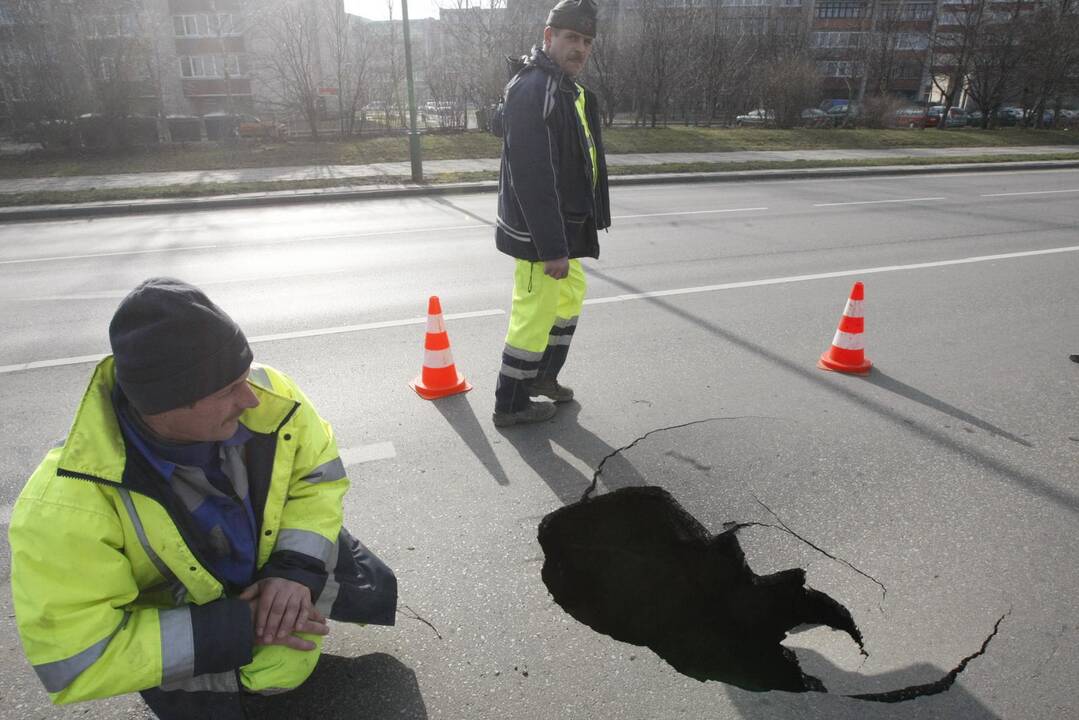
439,377
847,353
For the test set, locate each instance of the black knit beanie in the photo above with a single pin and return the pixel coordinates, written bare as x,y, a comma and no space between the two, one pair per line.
173,346
576,15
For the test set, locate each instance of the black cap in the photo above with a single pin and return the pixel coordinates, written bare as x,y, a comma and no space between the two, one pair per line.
173,346
576,15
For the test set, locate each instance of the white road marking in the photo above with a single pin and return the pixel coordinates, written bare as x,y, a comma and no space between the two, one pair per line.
39,364
596,301
687,212
368,453
827,276
1032,192
367,326
108,254
878,202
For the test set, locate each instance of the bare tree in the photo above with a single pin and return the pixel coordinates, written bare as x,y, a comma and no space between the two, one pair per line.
350,48
41,73
287,57
954,43
1053,57
995,60
659,62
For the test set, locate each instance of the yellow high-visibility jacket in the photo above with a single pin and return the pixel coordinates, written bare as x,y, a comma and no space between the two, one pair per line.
111,591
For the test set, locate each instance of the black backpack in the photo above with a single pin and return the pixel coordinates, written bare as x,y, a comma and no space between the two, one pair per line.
494,112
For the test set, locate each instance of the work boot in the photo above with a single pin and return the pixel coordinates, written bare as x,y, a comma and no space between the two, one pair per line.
550,387
533,412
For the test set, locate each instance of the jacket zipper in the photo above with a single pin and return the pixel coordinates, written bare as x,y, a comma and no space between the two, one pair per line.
179,527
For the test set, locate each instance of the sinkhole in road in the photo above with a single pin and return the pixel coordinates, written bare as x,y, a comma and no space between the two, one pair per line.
635,565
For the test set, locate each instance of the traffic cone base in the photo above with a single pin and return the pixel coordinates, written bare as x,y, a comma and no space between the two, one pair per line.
439,377
847,353
459,385
828,363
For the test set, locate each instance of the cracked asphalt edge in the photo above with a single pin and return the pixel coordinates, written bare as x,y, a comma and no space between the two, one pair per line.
892,696
599,468
938,686
737,525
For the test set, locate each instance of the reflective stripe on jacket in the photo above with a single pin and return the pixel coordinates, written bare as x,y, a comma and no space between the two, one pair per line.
110,593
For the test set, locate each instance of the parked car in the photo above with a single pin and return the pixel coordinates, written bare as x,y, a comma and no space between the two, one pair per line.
957,117
249,126
827,105
756,117
49,132
815,118
914,116
844,115
1010,116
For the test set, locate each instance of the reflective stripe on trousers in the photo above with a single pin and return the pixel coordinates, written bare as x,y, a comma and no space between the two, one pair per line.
542,323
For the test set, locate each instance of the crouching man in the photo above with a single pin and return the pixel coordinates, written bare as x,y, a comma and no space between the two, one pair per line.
186,541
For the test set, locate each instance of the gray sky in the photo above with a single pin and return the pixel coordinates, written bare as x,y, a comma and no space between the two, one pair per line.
378,9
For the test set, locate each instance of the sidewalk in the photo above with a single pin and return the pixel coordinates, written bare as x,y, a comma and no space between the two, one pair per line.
346,173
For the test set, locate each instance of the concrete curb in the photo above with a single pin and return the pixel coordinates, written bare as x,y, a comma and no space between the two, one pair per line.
285,197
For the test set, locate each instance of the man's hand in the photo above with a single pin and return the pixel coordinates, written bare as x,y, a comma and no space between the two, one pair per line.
558,268
281,608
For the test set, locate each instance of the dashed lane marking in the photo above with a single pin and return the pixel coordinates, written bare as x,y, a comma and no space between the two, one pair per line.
38,364
688,212
78,360
1032,192
108,254
827,276
368,453
878,202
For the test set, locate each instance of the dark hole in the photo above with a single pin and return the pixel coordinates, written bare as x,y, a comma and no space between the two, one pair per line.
633,564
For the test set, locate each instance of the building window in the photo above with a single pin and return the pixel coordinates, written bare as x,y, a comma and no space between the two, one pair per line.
839,68
110,26
744,3
210,66
204,25
909,11
911,41
907,71
837,39
833,10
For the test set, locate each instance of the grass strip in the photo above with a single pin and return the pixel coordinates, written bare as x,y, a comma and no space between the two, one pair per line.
217,189
474,144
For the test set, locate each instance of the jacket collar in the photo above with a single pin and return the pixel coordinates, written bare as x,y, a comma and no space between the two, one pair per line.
95,445
541,61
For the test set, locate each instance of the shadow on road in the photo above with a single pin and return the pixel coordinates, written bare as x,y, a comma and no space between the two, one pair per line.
832,384
448,203
462,418
370,686
536,444
887,382
956,702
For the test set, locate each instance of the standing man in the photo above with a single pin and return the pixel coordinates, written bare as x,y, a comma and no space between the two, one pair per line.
552,200
185,541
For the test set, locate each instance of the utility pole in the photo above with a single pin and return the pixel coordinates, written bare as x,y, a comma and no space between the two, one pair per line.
413,134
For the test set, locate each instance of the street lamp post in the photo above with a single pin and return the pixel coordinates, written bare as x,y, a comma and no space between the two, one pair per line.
413,134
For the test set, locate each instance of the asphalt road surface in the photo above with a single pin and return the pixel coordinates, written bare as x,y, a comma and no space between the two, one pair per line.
947,478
